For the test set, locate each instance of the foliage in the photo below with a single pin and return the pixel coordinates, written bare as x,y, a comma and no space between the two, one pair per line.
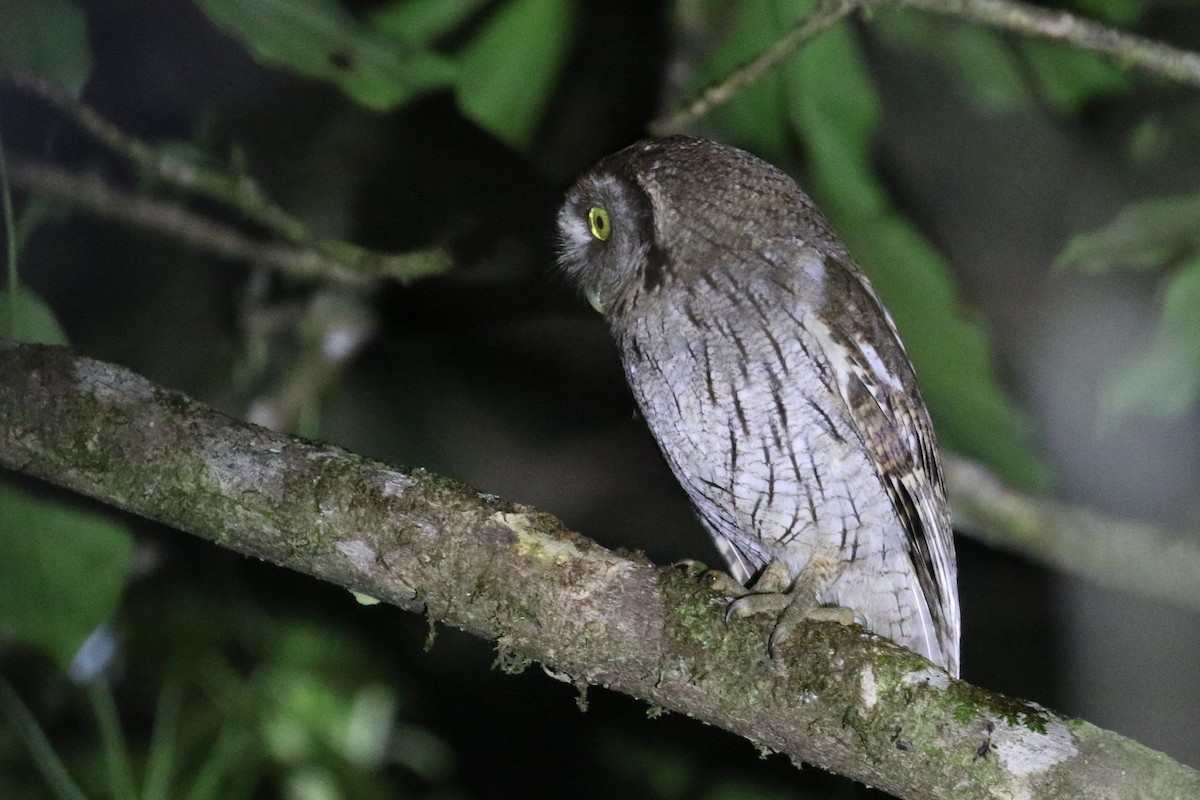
1000,75
320,39
313,717
1166,380
65,565
249,704
48,38
1158,235
827,98
1146,235
63,571
503,74
25,316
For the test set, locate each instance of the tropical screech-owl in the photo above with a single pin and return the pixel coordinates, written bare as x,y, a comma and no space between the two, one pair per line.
773,379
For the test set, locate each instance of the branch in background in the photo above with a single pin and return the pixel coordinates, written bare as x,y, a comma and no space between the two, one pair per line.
1128,49
238,191
92,194
1127,555
328,331
827,14
843,699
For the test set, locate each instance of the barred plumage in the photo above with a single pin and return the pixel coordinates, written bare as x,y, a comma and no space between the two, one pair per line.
772,378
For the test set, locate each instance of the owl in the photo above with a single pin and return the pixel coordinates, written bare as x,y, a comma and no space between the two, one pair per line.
774,382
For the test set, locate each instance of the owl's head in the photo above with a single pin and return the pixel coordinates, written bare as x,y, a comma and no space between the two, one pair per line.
606,233
666,211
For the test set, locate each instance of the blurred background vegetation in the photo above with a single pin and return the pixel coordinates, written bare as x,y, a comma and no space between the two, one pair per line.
1029,212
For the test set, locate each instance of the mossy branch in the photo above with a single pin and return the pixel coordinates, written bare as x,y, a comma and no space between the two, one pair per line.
838,697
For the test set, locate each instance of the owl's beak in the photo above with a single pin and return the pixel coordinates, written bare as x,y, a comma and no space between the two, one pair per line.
593,298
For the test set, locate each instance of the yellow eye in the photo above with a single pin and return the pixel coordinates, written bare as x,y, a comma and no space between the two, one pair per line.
599,223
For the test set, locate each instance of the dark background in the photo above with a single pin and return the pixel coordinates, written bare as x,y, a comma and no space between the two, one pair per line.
499,375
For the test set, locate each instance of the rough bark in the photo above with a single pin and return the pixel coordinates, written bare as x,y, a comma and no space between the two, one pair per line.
837,697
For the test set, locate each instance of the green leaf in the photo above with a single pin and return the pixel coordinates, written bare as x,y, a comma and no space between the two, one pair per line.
508,71
835,109
25,317
993,73
754,117
1122,13
826,97
423,20
62,572
1145,235
834,106
975,58
979,59
320,39
1070,77
1165,380
47,38
951,351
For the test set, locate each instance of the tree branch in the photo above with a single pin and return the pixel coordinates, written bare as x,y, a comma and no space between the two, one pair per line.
93,194
843,699
827,14
1126,48
1122,554
238,191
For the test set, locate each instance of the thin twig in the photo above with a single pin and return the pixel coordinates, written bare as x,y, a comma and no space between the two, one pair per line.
91,193
1128,49
238,191
10,230
1127,555
328,332
826,15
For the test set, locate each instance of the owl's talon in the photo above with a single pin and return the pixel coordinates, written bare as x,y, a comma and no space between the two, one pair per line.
774,383
755,603
775,578
767,595
691,567
801,610
793,603
722,583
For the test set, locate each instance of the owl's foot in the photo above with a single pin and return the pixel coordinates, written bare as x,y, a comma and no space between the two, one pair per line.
691,567
794,604
722,583
768,595
801,609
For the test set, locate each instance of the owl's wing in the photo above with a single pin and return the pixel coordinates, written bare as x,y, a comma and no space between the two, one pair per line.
878,385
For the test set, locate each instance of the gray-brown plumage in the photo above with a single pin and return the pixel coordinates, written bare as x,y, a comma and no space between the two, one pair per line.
772,378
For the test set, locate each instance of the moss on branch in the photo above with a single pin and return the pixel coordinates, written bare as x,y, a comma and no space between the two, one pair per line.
839,697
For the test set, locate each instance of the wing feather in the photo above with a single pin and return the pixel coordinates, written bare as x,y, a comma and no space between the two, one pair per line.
877,383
